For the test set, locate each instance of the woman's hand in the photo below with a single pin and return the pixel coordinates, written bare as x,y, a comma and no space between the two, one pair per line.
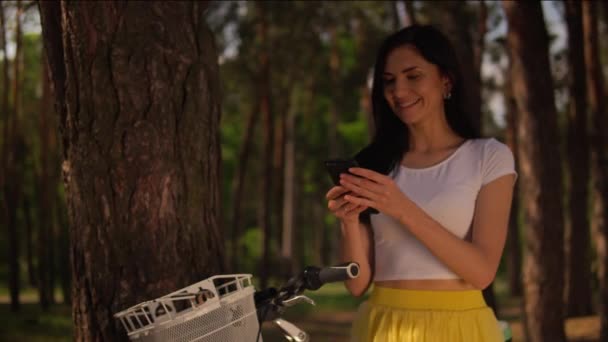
375,190
345,211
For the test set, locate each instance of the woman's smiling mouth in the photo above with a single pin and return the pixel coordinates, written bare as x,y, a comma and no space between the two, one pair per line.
404,105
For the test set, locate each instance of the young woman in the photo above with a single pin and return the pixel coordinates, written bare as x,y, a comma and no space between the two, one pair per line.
443,196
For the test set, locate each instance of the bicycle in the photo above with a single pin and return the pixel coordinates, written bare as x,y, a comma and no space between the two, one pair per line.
226,308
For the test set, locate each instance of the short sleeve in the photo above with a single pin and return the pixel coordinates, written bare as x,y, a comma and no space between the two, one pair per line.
497,161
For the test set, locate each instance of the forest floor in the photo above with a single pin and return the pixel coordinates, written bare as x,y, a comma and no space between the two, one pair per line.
329,320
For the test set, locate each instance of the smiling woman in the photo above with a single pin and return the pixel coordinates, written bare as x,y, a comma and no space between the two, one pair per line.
443,196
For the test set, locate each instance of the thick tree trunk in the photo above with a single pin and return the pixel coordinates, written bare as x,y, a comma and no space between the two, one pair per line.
578,266
541,176
599,155
139,116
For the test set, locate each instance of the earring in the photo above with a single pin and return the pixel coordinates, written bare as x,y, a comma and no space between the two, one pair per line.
447,96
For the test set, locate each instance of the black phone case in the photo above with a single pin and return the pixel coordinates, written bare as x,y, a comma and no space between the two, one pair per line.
337,166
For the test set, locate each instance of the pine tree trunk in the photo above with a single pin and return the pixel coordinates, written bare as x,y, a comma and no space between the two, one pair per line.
268,123
139,115
513,245
599,155
29,243
541,177
63,247
45,222
12,169
578,267
238,183
5,96
287,250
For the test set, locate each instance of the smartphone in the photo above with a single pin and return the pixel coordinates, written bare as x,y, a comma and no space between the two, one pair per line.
335,167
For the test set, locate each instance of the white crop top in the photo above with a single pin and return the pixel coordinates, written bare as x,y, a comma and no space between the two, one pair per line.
447,192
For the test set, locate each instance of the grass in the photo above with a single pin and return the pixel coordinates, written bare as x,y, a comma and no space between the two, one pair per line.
31,324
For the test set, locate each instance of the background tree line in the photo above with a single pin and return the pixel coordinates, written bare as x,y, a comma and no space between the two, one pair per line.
119,172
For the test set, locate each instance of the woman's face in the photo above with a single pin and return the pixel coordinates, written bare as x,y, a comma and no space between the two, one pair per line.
413,87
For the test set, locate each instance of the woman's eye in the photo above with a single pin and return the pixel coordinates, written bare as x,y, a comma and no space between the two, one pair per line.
413,77
389,81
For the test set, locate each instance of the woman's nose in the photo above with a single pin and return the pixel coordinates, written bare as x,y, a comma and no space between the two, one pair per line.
401,90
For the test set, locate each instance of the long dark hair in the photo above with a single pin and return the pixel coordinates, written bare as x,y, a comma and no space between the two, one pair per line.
391,138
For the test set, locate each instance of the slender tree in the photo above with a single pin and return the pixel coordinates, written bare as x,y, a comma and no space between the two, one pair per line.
599,155
137,94
513,246
45,210
266,184
13,157
578,282
238,184
541,177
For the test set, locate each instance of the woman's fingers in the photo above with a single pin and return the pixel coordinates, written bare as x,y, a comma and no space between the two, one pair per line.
336,192
359,187
359,201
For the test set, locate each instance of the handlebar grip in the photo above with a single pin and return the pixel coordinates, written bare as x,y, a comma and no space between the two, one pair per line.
339,273
314,277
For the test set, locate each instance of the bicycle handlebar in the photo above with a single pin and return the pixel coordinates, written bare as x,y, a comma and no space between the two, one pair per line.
315,277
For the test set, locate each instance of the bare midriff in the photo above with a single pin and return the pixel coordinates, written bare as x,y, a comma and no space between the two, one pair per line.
427,284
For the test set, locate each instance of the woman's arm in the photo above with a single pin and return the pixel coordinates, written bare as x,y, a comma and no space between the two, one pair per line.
477,261
356,238
357,246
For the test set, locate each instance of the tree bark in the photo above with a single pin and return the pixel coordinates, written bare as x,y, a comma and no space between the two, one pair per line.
513,245
599,155
268,123
5,96
137,93
13,162
29,243
578,267
45,210
63,247
289,183
541,177
238,184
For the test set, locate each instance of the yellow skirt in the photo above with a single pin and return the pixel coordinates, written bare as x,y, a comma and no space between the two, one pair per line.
394,315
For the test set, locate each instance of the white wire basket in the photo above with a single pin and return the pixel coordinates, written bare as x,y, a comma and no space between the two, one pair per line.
220,308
